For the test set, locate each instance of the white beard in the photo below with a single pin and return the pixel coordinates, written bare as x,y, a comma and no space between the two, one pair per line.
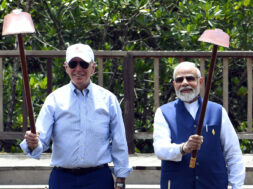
188,97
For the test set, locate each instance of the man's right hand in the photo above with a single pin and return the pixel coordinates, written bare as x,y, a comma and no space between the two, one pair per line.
193,143
32,139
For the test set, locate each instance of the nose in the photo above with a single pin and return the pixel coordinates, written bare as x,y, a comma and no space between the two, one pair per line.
78,67
184,82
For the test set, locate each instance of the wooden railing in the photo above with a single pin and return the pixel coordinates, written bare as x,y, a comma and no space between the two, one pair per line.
128,78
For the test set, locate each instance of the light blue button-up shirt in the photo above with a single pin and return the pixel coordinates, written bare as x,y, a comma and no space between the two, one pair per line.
86,129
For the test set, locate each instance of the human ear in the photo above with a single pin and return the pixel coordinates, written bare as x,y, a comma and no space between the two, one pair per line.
93,67
201,81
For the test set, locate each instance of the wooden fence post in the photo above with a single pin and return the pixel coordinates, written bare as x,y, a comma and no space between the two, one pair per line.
225,83
128,76
156,83
249,75
100,72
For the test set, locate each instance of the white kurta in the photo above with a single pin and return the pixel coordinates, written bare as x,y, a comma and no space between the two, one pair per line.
165,150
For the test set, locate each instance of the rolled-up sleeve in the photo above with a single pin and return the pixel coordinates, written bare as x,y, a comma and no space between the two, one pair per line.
36,153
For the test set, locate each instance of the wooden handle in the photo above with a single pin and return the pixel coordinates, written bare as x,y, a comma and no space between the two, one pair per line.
192,162
204,104
26,83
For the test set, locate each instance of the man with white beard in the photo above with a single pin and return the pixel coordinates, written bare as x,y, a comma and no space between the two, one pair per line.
219,159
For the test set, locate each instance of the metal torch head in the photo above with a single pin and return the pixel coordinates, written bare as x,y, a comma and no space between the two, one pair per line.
215,36
17,22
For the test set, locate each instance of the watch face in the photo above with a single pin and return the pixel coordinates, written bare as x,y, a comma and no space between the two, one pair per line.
121,185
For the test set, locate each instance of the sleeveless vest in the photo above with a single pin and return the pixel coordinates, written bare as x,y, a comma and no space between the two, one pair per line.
210,171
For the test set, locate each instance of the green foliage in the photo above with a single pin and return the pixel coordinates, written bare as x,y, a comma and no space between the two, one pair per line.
144,146
247,146
129,25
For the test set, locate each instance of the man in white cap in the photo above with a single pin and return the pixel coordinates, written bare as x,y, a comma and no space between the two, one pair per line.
84,122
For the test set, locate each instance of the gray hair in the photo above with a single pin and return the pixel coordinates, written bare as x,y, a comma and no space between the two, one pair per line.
182,64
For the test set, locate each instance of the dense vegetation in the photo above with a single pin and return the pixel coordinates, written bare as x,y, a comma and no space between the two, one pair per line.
128,25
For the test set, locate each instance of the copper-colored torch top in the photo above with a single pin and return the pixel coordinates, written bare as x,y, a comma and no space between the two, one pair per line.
17,22
215,36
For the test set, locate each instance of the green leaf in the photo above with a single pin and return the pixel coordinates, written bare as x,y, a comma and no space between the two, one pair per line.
43,83
218,13
246,3
32,81
242,91
235,80
3,5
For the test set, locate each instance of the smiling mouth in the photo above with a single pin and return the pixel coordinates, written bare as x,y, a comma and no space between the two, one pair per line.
78,75
186,90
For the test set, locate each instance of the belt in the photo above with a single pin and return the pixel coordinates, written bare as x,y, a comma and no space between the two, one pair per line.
81,170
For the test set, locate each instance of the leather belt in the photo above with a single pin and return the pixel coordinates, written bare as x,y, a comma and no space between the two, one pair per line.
81,170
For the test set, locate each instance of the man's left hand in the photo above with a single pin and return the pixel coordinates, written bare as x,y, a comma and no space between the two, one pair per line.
120,183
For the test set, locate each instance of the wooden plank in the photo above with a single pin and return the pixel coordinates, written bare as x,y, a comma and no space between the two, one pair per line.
248,136
100,72
202,71
33,53
191,54
249,108
149,135
156,83
143,135
58,53
114,54
101,53
11,135
1,96
225,83
128,76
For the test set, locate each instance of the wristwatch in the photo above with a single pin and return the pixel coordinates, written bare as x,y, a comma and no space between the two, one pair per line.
182,149
119,184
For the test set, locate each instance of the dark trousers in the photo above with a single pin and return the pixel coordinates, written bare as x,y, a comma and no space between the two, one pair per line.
96,179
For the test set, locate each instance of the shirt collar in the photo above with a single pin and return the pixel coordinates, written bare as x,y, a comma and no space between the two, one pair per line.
84,91
194,104
192,108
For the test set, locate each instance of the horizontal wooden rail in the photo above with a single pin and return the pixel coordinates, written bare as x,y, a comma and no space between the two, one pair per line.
149,135
115,54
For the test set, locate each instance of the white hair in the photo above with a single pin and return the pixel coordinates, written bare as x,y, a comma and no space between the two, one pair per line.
183,64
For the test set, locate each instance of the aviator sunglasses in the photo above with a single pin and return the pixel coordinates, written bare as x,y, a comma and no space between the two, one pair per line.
188,78
83,64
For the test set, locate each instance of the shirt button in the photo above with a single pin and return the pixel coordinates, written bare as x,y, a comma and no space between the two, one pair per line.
194,126
197,163
197,177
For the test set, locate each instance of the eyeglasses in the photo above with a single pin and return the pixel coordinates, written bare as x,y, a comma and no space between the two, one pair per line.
188,78
83,64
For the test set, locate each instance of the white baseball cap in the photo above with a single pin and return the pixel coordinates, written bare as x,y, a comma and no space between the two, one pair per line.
80,50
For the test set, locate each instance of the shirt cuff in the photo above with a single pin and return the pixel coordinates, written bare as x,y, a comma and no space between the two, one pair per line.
122,172
35,153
